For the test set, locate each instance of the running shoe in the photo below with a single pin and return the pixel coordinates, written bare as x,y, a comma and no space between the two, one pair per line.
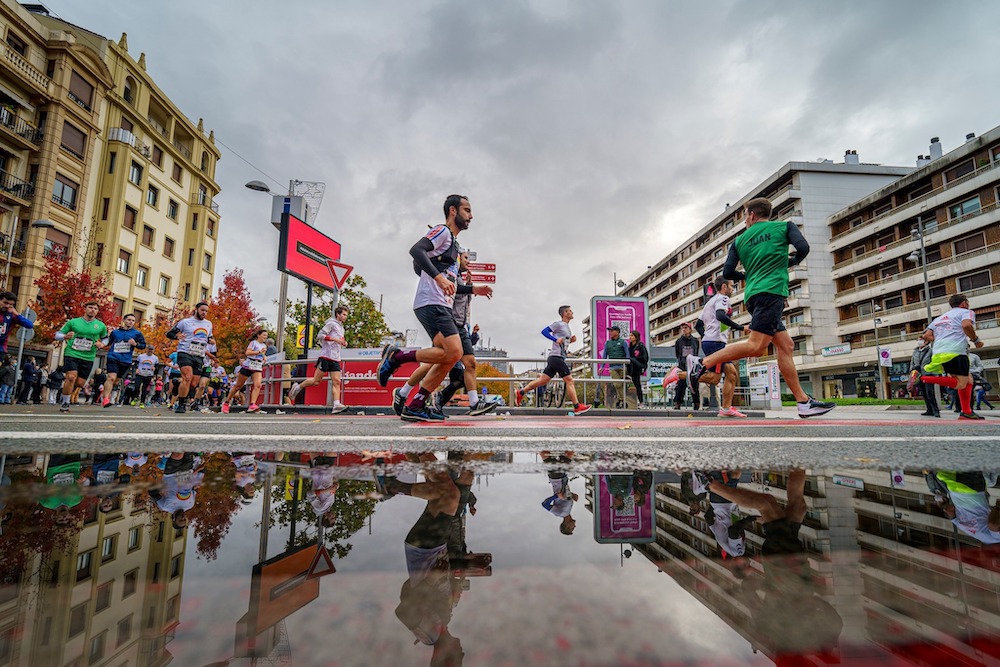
387,366
293,392
422,415
695,369
397,402
581,408
142,406
812,407
736,530
106,402
225,408
180,409
337,409
699,482
204,409
481,408
731,412
518,397
969,415
253,408
64,407
672,376
437,412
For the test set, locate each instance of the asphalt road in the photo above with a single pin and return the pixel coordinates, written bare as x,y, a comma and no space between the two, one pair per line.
859,440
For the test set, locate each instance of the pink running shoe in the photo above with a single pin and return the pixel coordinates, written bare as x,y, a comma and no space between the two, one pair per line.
672,376
253,408
225,408
731,412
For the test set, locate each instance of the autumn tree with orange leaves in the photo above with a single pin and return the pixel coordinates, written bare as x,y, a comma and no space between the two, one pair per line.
62,294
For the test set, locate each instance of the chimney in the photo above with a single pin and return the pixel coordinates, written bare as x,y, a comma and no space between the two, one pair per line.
922,160
970,136
936,150
851,157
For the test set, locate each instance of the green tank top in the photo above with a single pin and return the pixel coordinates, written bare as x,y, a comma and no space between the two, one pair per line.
763,251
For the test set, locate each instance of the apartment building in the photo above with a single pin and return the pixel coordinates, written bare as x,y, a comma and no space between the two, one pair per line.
51,92
805,193
152,191
889,280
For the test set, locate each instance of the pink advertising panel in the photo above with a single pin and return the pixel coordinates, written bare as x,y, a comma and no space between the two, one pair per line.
627,313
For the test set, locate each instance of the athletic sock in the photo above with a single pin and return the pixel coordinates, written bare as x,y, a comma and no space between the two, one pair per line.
965,398
473,398
404,356
943,380
406,390
418,399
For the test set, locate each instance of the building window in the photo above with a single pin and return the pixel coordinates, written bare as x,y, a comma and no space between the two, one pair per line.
142,276
172,208
152,196
190,256
130,583
961,170
126,124
210,228
892,302
865,309
64,192
134,537
187,291
78,619
17,43
80,91
124,261
74,140
7,643
140,315
164,285
194,222
129,220
112,158
967,208
135,173
177,172
129,92
207,265
83,565
97,647
157,156
124,630
105,206
861,280
119,308
889,271
168,247
103,596
175,567
148,234
974,281
204,294
970,243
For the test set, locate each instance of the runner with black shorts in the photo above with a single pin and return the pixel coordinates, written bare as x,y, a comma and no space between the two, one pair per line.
713,327
332,338
120,343
435,260
561,336
762,248
252,369
84,335
206,373
191,334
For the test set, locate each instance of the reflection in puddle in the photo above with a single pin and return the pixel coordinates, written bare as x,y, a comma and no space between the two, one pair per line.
448,558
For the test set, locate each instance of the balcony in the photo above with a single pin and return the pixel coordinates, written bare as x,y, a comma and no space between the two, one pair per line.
16,249
71,205
158,126
202,199
185,151
34,76
20,128
915,306
19,189
123,135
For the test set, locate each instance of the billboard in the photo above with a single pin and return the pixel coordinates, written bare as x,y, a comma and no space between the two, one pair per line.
304,252
630,522
628,313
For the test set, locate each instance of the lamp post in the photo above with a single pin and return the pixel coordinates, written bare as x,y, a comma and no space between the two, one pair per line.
917,233
882,379
617,283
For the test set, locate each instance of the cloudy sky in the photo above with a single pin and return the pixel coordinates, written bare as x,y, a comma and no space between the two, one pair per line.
591,137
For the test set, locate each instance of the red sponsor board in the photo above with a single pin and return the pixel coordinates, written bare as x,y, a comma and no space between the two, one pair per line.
361,385
483,277
482,266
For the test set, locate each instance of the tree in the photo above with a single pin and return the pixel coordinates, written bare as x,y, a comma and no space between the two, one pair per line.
62,294
155,329
233,317
484,370
365,325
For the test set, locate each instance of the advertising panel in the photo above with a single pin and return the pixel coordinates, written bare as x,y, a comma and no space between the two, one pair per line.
618,517
627,313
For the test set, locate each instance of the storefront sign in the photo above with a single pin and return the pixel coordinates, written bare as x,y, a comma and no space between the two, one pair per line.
852,482
834,350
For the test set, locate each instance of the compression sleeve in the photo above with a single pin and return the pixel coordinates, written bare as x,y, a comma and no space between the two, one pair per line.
725,319
464,289
547,332
729,271
800,244
423,261
699,326
172,334
25,322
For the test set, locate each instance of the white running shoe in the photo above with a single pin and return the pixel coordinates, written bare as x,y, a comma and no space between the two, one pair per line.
294,391
812,407
338,408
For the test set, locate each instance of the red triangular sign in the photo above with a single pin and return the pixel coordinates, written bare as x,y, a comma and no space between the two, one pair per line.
322,564
339,272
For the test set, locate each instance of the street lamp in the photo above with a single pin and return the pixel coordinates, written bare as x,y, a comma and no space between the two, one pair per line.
618,283
882,379
261,186
917,234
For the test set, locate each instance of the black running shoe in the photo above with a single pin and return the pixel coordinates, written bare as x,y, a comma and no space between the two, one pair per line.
387,366
696,372
481,408
736,530
422,415
970,415
397,402
180,409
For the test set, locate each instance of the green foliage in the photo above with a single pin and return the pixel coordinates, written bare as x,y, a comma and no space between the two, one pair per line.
352,506
365,325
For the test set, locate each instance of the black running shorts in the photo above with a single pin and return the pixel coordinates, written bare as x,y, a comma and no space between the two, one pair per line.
765,313
437,320
197,364
556,367
328,365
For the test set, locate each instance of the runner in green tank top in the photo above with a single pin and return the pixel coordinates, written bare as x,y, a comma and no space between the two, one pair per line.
762,249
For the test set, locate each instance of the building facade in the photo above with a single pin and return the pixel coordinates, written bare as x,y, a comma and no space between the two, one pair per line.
934,229
805,193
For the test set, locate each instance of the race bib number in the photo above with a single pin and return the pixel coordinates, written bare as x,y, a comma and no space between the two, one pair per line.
122,347
196,348
82,344
64,478
105,476
255,364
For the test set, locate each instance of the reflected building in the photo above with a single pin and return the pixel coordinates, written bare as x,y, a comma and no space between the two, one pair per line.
112,596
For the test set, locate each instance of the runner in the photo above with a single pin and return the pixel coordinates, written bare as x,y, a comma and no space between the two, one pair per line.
762,248
8,315
560,503
561,336
252,369
206,372
729,535
948,332
173,379
145,371
964,499
121,342
435,260
191,334
333,337
713,327
85,335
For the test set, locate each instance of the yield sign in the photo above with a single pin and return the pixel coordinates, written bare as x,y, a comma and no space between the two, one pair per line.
339,272
321,565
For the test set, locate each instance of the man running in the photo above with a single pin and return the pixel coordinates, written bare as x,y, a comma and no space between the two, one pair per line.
145,370
713,326
333,339
435,260
950,353
206,373
762,248
120,343
191,334
85,335
555,366
8,315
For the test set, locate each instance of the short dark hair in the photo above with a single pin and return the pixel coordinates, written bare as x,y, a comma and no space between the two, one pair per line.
200,304
91,303
562,310
9,296
761,206
452,200
339,309
957,300
718,283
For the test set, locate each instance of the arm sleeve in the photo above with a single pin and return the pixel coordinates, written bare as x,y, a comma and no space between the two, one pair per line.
799,242
463,289
423,261
547,332
729,271
725,319
141,341
699,326
172,334
25,322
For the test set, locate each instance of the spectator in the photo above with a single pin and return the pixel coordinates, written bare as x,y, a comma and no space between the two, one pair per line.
638,357
685,345
29,375
55,383
8,376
